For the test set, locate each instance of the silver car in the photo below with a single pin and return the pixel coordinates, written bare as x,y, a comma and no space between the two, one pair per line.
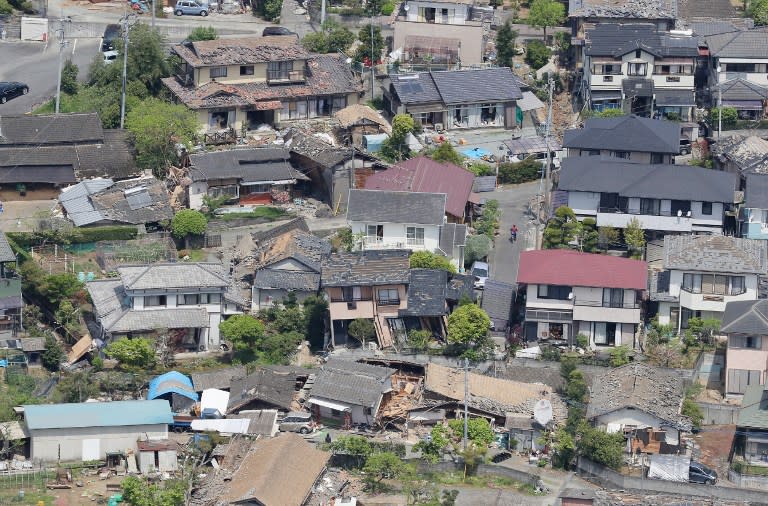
297,421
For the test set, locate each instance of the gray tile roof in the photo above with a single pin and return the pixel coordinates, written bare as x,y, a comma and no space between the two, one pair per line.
109,300
165,318
626,133
741,89
427,293
460,285
614,39
365,268
262,422
715,253
754,411
662,181
381,206
47,129
352,383
745,317
497,299
623,9
654,390
220,378
452,235
458,86
249,164
33,344
706,28
679,98
742,44
6,252
273,386
316,149
756,194
173,276
278,230
748,154
287,280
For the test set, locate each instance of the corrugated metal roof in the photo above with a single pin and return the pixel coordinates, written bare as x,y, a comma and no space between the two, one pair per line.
171,382
97,414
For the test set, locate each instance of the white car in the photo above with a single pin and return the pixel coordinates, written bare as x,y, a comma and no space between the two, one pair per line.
110,57
480,271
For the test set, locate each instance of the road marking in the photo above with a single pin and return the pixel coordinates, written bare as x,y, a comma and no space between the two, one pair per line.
74,47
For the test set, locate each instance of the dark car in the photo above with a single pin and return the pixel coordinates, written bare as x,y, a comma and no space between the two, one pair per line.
111,34
699,473
9,90
685,146
276,30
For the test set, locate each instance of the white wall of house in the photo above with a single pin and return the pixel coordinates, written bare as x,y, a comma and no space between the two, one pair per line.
606,81
197,191
357,413
264,298
90,443
760,77
166,461
616,420
395,236
457,14
533,301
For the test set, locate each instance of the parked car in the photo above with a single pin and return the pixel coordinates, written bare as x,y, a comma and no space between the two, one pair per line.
685,146
110,57
276,30
111,33
480,271
540,157
190,8
297,421
699,473
12,89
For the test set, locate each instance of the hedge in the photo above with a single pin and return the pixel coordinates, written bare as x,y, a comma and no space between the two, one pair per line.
76,236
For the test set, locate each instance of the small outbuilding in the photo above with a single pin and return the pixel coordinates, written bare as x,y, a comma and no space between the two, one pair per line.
174,387
158,456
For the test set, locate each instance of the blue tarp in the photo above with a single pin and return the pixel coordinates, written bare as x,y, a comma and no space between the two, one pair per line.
172,382
475,153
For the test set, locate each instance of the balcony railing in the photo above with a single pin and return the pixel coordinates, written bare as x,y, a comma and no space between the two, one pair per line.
285,76
389,302
727,293
352,299
639,212
599,303
548,315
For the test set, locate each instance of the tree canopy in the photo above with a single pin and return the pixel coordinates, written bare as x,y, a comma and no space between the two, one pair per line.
429,260
395,148
188,222
546,13
364,49
468,327
758,10
562,229
634,236
331,39
136,352
505,45
537,55
362,329
244,331
445,152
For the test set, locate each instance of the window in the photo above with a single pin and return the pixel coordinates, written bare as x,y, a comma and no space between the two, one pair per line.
706,208
246,70
339,102
606,68
414,236
351,294
558,292
650,207
613,297
388,296
681,206
713,284
638,53
613,203
189,299
605,333
335,412
374,232
607,79
637,69
368,411
154,300
621,154
739,67
218,72
736,285
673,79
753,342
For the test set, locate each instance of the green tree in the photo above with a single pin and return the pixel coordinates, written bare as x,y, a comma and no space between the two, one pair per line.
568,364
619,356
537,54
600,446
68,319
634,236
395,148
607,237
562,229
58,287
277,348
431,449
527,170
758,11
244,331
76,387
589,235
362,329
563,42
576,388
364,50
546,13
730,115
53,355
446,153
203,33
505,45
5,8
384,465
268,9
477,248
157,128
147,58
479,431
565,448
419,340
138,492
610,113
316,42
429,260
69,73
314,318
188,222
704,329
137,352
468,330
331,39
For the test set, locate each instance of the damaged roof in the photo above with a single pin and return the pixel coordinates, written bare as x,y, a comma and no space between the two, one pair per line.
247,164
305,247
616,40
325,75
427,293
749,154
273,386
352,382
360,114
241,51
623,9
287,280
365,268
457,86
219,379
656,391
37,130
715,253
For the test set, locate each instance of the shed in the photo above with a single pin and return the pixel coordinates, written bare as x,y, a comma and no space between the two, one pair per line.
90,430
174,387
157,456
213,403
577,497
372,143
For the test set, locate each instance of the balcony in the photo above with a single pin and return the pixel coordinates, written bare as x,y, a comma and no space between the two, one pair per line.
370,242
599,303
620,218
548,315
600,311
285,76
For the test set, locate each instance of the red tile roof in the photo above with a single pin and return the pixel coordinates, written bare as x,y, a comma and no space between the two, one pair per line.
572,268
422,174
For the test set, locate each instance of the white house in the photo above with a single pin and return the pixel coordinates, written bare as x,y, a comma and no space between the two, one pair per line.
90,430
187,299
738,70
703,273
663,197
570,293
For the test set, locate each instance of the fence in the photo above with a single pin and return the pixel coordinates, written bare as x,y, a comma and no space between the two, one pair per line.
719,414
25,479
149,248
748,481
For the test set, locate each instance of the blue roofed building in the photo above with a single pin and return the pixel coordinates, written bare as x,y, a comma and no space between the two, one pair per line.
176,388
89,430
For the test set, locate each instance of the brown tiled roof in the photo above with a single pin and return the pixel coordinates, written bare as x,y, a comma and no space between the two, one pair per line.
278,472
326,75
241,51
357,114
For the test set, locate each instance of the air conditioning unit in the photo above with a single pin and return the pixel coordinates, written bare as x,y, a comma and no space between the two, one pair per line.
351,305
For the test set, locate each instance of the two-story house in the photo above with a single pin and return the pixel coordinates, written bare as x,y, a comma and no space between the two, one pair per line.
246,82
754,213
752,425
663,198
629,138
455,99
188,300
454,34
738,71
704,273
745,322
569,293
371,284
640,70
405,220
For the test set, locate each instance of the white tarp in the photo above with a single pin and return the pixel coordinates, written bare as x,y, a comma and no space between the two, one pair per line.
34,29
669,467
222,425
213,403
329,404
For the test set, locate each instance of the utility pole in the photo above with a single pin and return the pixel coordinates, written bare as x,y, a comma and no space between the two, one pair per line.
153,12
322,13
547,132
719,102
62,44
373,77
466,397
126,26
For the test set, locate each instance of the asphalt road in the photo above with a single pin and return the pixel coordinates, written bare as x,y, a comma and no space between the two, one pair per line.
513,203
36,64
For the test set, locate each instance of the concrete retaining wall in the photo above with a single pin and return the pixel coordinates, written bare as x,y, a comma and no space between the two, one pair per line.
718,414
745,481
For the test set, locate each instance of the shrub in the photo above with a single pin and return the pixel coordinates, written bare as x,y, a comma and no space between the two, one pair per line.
537,54
521,172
